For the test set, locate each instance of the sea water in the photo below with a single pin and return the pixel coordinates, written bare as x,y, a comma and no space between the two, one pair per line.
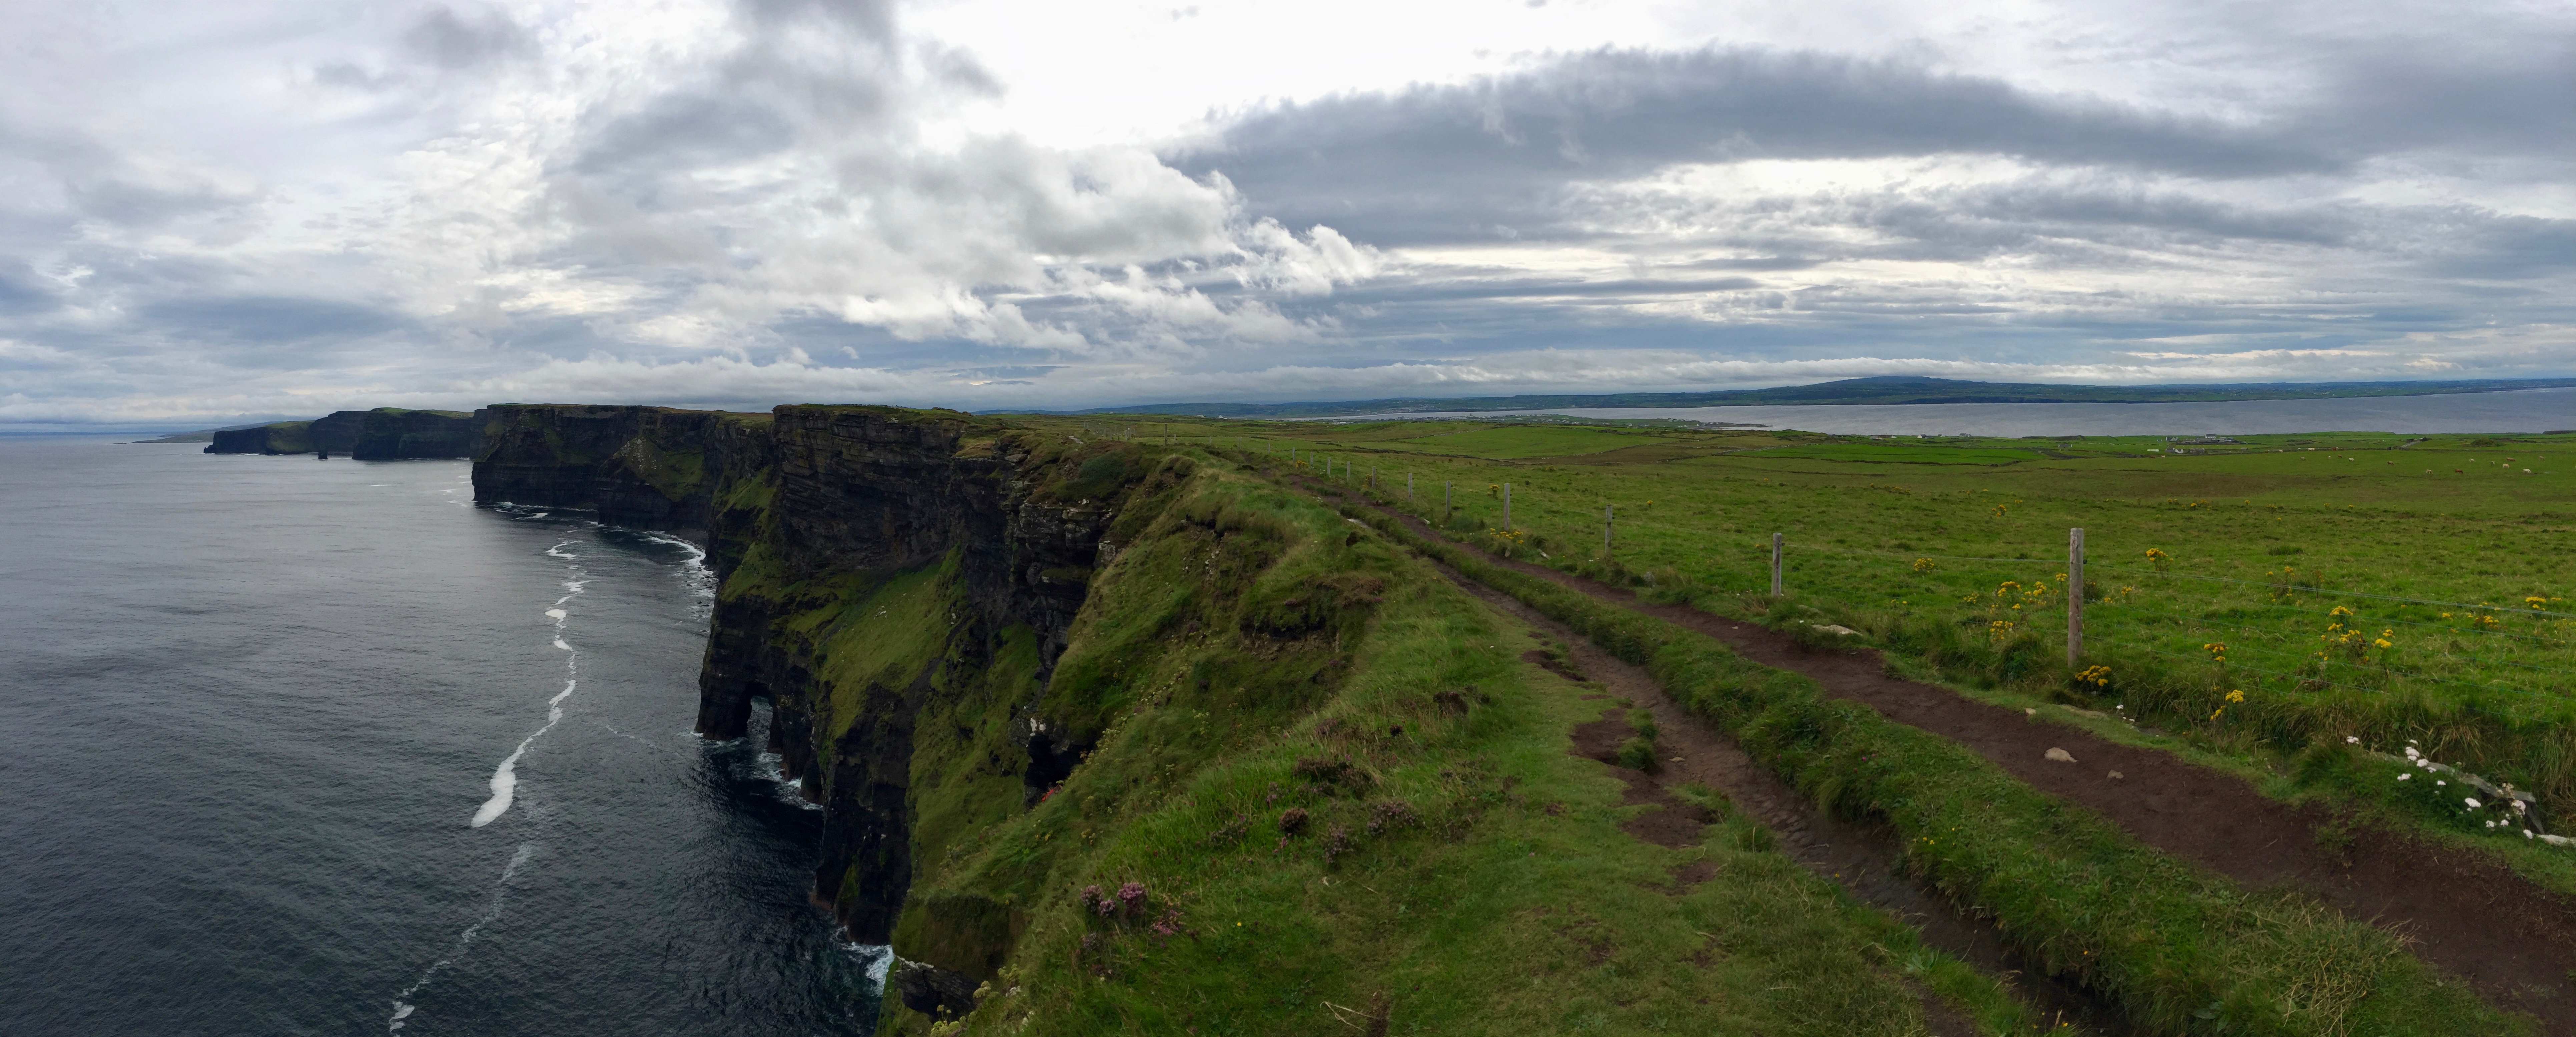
302,747
2522,410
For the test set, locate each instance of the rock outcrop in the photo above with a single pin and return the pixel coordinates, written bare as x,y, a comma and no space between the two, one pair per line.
382,434
284,437
809,514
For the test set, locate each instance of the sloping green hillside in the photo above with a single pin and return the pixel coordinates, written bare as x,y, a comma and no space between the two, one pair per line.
1327,791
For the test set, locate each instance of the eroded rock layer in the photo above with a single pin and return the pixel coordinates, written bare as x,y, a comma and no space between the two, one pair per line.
871,561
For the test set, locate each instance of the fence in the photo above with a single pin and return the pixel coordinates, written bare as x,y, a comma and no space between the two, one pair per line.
2289,632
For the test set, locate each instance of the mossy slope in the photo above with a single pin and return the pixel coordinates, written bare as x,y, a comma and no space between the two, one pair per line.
1341,797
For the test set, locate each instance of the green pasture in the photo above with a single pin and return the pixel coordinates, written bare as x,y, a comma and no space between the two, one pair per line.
1952,550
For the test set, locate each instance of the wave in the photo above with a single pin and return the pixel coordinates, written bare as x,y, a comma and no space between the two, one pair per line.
880,961
403,1008
505,778
701,578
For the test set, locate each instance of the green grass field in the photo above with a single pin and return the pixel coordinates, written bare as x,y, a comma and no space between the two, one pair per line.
2249,597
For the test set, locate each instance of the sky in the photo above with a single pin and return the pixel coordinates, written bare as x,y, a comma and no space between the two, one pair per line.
217,213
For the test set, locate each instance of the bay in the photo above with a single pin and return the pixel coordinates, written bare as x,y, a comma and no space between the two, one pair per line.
250,708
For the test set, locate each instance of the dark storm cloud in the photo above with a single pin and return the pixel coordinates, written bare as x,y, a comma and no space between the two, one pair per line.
1546,288
454,41
1444,161
278,320
21,292
2518,98
684,131
1495,157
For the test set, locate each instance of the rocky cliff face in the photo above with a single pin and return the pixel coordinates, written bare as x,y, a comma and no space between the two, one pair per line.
284,437
391,433
874,563
382,434
645,467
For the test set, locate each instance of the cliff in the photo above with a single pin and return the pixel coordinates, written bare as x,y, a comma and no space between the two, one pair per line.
382,434
1119,736
284,437
391,433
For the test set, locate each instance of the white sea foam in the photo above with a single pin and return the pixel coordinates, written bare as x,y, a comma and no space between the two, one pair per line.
791,790
403,1009
505,779
881,961
557,550
702,579
638,739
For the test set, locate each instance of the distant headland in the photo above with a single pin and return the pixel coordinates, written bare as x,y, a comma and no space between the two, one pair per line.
1884,389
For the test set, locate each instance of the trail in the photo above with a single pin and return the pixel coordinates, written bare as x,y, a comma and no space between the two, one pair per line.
1863,859
2458,910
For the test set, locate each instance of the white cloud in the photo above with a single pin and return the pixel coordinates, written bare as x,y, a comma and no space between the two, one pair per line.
215,211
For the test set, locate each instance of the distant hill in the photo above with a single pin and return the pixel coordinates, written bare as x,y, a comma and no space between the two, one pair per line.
384,433
203,435
1885,389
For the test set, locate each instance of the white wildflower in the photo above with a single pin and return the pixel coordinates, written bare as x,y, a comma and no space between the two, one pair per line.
2404,776
2410,751
2439,784
2352,739
2472,801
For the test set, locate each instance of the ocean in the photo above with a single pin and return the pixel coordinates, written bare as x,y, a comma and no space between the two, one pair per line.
2522,410
319,747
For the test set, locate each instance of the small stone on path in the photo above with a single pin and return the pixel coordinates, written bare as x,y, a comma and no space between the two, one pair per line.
2060,755
2115,775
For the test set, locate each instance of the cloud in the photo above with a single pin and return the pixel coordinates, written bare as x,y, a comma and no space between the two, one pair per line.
1449,160
455,42
748,202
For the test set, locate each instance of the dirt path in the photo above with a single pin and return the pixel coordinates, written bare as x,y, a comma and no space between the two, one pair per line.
1861,859
2465,914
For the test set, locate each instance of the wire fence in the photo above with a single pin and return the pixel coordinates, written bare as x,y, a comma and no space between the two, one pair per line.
2275,629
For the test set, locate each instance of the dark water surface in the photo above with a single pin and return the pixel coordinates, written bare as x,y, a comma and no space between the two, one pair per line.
250,708
2521,410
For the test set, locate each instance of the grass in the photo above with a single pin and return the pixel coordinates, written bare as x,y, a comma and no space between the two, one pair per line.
1960,566
2179,949
1249,652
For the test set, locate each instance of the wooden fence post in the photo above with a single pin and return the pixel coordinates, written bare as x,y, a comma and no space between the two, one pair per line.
1775,565
1507,507
1408,487
1446,505
1605,531
2074,595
